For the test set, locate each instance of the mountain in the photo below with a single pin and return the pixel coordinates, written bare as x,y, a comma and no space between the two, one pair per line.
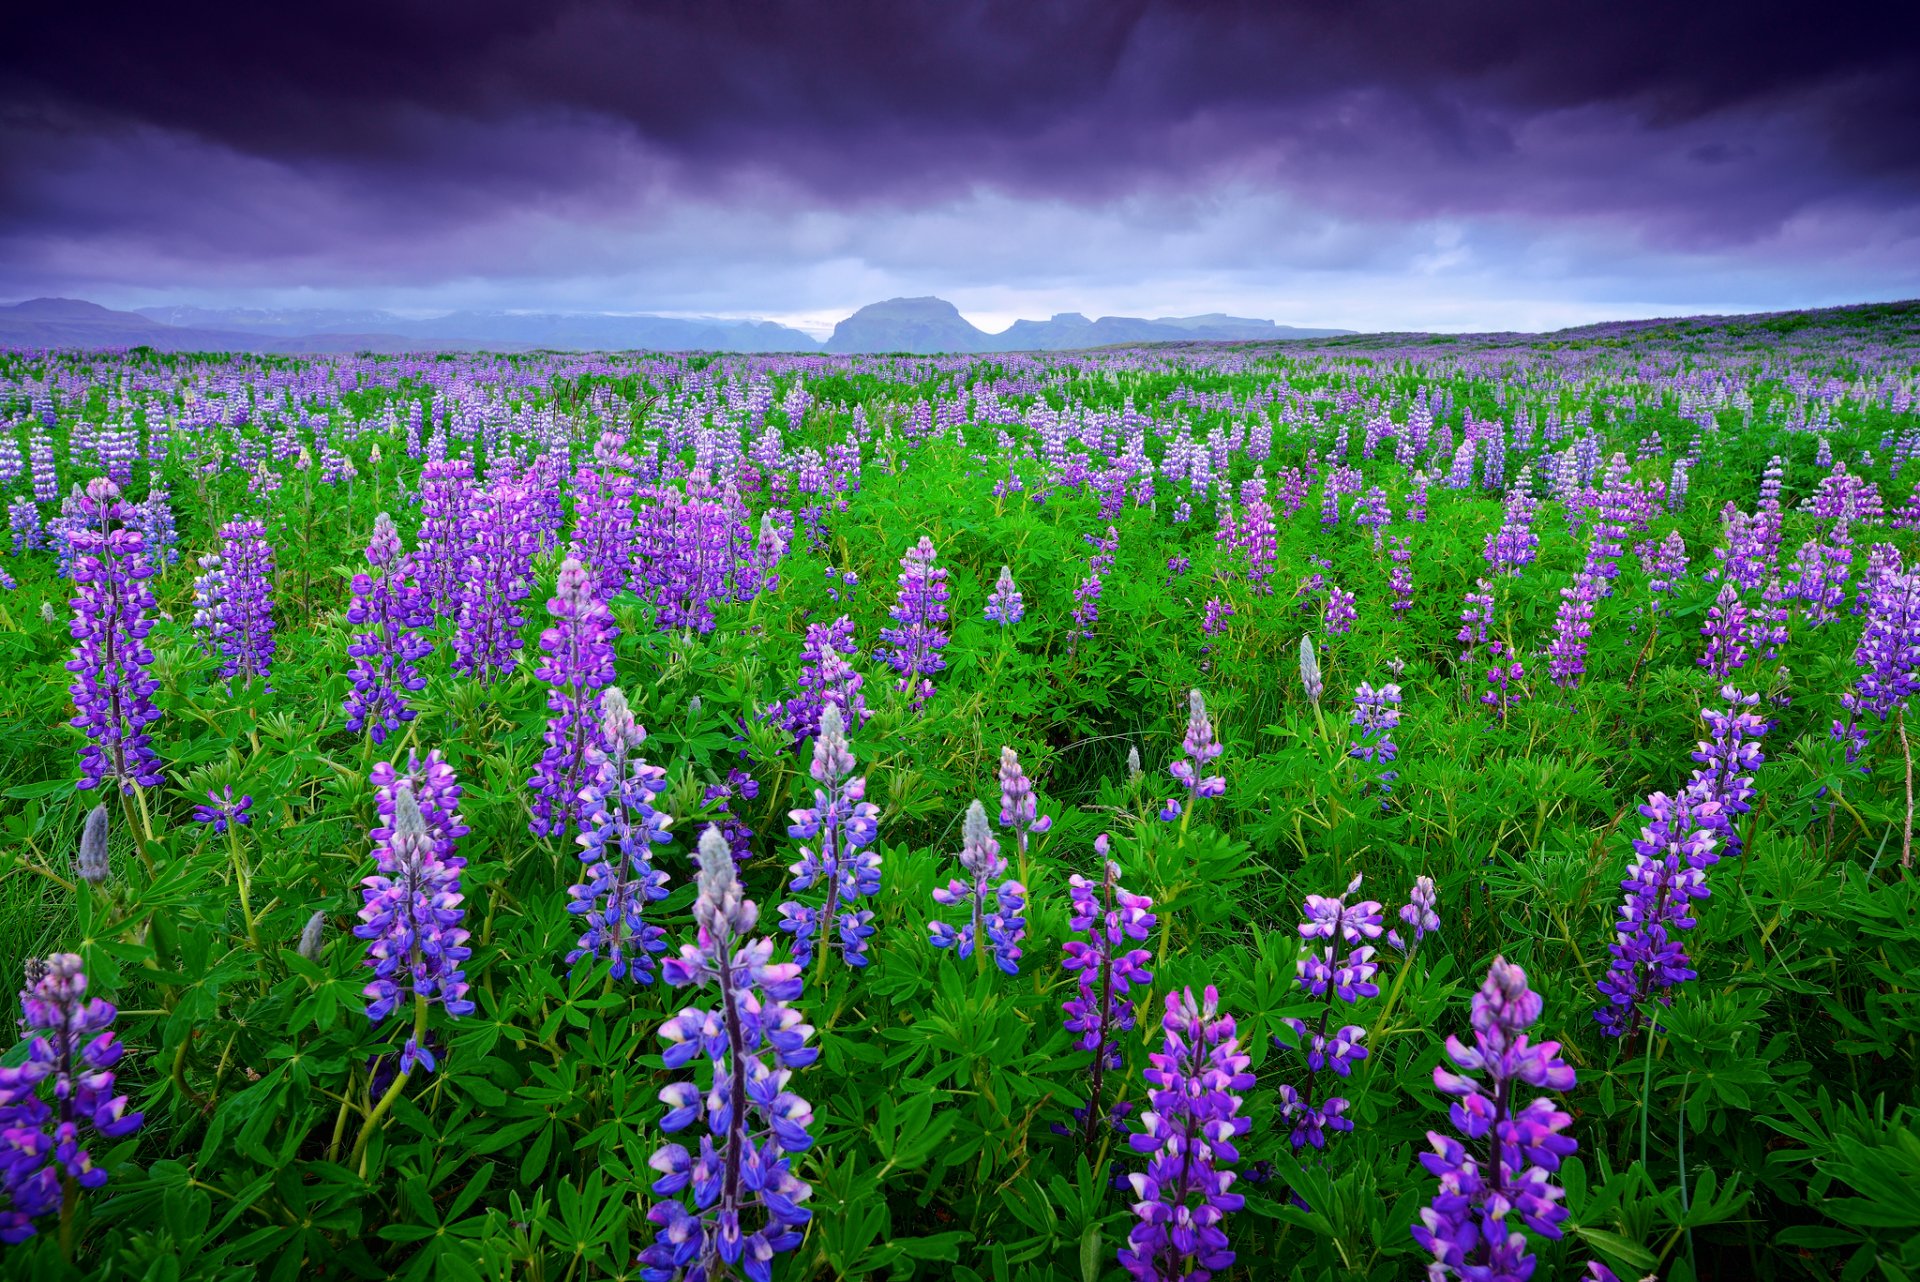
579,331
921,325
908,325
925,325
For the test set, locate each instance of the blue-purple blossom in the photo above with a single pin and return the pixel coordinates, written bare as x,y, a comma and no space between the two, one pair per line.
1100,1013
220,810
1328,975
840,825
578,664
736,1203
913,646
412,914
1005,605
616,845
826,677
1420,912
1189,1129
243,628
112,689
1497,1176
1201,749
1019,806
62,1090
388,648
994,910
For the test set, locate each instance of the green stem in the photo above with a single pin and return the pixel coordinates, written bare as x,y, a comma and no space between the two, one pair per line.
393,1092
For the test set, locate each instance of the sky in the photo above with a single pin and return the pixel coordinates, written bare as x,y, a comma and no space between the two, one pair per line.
1369,164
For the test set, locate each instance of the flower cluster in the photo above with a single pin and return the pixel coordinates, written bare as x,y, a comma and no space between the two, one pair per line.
745,1204
1019,806
1189,1128
578,663
1099,1013
914,644
826,678
1503,1171
1328,977
841,824
1005,606
112,689
386,652
1001,925
71,1054
412,914
1201,748
1376,715
1421,911
616,845
221,811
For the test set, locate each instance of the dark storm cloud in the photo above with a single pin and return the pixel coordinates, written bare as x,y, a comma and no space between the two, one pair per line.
414,142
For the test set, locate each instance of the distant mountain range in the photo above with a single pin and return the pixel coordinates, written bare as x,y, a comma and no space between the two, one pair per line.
917,325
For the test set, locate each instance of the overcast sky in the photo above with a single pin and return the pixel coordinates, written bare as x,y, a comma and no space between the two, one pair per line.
1346,162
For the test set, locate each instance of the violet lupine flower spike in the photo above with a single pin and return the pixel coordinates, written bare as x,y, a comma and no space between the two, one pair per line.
1110,916
1001,925
1323,975
112,689
1005,606
412,916
914,646
622,828
840,824
1504,1169
73,1051
1421,912
243,625
386,652
746,1201
1019,807
1189,1128
578,663
1201,748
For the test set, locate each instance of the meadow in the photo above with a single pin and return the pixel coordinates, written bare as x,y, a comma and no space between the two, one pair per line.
1351,809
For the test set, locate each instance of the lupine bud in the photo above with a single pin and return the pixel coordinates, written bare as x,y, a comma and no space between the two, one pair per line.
91,862
46,612
1310,670
693,706
310,936
1134,770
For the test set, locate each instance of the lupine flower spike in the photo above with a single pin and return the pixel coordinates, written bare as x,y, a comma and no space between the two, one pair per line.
1189,1129
840,825
730,1208
1110,917
1501,1178
1000,924
1201,749
1329,977
617,847
71,1053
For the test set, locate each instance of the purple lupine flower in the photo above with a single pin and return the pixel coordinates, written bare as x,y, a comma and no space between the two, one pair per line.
738,783
1515,544
74,1052
446,529
826,678
412,916
1421,912
112,689
578,663
497,578
1572,628
387,650
1888,655
616,845
1201,748
244,626
1322,975
1722,782
914,645
1100,1013
1001,925
1376,715
1671,857
841,824
1726,634
1476,617
1189,1128
1217,614
1005,606
746,1201
1340,614
1019,807
221,811
1511,1150
1400,578
1667,564
1504,676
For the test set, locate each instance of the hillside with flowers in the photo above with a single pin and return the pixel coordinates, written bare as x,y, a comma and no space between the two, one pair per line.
1373,807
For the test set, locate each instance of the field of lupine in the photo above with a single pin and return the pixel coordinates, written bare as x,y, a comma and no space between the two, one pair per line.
1353,809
